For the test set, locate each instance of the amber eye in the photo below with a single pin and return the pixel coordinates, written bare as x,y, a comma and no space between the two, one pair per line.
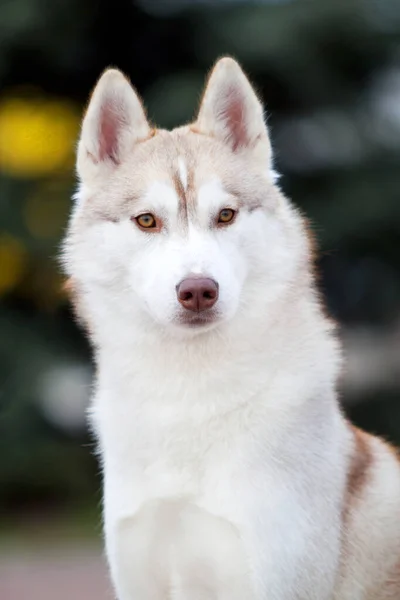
146,221
226,215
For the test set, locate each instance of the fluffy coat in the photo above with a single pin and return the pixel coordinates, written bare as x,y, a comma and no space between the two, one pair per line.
229,471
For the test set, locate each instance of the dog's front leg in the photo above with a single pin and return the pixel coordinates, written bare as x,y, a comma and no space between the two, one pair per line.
175,550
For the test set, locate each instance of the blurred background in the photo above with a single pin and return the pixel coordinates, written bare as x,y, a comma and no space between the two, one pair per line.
329,73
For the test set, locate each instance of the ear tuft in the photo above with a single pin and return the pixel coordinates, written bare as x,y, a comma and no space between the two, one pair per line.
114,122
230,109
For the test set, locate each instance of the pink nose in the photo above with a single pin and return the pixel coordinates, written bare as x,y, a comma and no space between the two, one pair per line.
197,294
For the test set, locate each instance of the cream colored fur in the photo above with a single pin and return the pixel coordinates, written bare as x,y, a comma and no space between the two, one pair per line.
229,470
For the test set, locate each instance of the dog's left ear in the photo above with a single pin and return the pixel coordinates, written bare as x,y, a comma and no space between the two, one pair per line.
231,111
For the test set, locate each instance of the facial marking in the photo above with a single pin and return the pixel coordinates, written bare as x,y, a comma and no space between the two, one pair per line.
183,180
183,175
182,206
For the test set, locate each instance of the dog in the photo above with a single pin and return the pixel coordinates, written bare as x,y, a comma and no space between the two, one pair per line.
230,472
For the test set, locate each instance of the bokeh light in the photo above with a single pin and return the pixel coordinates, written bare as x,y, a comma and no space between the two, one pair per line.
37,136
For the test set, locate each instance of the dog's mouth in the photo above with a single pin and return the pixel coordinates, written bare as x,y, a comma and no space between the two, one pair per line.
198,320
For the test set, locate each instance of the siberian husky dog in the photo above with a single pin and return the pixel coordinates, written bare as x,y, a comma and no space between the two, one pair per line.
230,472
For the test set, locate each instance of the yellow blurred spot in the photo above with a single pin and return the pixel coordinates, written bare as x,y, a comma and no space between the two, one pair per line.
37,136
12,262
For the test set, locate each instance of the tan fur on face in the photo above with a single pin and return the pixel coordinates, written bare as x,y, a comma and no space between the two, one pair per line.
228,140
157,159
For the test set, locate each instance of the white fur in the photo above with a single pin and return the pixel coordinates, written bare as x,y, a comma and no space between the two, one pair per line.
224,452
183,172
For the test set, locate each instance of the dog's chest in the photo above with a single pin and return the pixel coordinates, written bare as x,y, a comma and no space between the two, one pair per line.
166,449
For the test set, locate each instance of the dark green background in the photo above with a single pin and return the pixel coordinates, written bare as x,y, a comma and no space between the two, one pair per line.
329,73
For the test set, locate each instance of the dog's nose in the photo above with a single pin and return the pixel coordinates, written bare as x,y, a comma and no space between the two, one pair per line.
197,293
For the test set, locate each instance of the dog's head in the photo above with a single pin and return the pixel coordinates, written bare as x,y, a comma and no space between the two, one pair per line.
183,229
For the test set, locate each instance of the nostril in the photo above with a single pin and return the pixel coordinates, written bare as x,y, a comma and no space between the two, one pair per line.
185,296
209,294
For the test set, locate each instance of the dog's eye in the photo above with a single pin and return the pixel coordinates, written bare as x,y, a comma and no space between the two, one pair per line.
226,215
146,221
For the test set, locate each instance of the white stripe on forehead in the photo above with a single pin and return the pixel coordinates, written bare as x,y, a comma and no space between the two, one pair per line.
183,175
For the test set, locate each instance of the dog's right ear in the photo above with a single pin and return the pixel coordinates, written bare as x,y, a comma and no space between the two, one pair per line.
114,122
